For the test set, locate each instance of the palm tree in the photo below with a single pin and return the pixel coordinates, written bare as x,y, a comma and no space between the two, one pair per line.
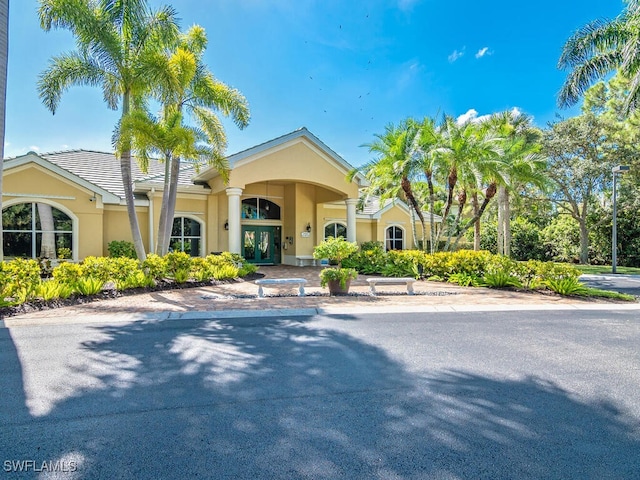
521,146
396,166
187,87
117,46
599,48
4,55
467,155
428,140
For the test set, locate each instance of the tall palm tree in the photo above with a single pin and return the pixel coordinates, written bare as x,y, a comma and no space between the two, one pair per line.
397,166
524,163
117,42
4,55
192,90
467,153
186,87
599,48
428,140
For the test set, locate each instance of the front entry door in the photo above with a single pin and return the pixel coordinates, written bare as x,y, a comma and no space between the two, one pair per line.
261,244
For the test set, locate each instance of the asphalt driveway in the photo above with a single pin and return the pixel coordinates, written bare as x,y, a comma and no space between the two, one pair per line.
497,395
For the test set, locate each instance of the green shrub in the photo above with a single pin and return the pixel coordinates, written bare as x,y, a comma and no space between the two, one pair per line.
19,277
178,264
370,258
566,286
96,267
89,286
337,274
122,248
67,273
155,266
224,272
501,279
465,280
247,269
334,249
400,264
52,289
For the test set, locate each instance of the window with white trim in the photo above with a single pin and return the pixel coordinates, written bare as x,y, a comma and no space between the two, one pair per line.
394,238
186,236
335,230
36,229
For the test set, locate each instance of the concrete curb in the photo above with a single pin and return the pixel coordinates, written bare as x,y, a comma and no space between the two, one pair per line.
304,312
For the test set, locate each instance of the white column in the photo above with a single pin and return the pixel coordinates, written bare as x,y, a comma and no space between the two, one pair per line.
351,218
233,195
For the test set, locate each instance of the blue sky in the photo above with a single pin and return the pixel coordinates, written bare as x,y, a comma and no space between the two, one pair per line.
344,69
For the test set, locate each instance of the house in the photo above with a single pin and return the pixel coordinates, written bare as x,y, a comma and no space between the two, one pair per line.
283,197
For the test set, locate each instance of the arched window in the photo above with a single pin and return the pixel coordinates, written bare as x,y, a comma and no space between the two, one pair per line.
394,238
36,229
186,236
260,209
335,230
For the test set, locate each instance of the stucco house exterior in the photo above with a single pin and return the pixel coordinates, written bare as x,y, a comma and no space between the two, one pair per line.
284,197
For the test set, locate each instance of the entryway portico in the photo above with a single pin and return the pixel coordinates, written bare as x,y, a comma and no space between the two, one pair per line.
280,197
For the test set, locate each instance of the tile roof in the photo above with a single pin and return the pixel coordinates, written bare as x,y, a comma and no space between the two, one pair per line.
103,169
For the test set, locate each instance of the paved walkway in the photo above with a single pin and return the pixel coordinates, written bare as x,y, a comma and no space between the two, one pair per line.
240,299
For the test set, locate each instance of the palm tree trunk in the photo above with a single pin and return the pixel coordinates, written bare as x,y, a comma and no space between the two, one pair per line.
432,201
127,181
501,220
452,180
476,225
488,195
162,245
4,55
173,194
48,241
507,224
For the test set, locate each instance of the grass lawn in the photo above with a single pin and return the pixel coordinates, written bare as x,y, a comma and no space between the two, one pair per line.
602,269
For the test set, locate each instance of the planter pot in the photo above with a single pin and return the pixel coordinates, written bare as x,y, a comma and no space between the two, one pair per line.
336,289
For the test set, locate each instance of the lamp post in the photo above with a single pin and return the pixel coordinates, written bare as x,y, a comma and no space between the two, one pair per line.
617,170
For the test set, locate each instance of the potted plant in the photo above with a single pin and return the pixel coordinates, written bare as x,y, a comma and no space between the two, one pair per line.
336,250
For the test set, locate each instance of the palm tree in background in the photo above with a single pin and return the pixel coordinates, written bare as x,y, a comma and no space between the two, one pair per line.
118,42
599,48
4,55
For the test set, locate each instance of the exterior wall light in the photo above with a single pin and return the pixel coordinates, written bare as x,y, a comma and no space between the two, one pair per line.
309,227
226,225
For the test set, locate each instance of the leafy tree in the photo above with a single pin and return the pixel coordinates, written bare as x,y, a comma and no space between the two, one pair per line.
579,163
117,49
600,48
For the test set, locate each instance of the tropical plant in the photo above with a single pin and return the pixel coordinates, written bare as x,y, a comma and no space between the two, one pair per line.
89,286
397,166
600,48
186,86
117,49
336,250
121,248
566,286
341,275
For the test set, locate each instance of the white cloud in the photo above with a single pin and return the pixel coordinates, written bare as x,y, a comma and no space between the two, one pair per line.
456,55
483,51
34,148
471,116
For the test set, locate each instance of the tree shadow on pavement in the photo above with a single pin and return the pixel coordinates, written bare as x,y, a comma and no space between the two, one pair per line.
289,398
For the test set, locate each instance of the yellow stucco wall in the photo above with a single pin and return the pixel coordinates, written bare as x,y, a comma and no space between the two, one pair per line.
299,161
31,182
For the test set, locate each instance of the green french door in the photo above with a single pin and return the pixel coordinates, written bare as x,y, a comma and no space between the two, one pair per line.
261,244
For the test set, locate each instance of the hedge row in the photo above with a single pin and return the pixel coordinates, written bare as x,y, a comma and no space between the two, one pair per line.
464,267
21,279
